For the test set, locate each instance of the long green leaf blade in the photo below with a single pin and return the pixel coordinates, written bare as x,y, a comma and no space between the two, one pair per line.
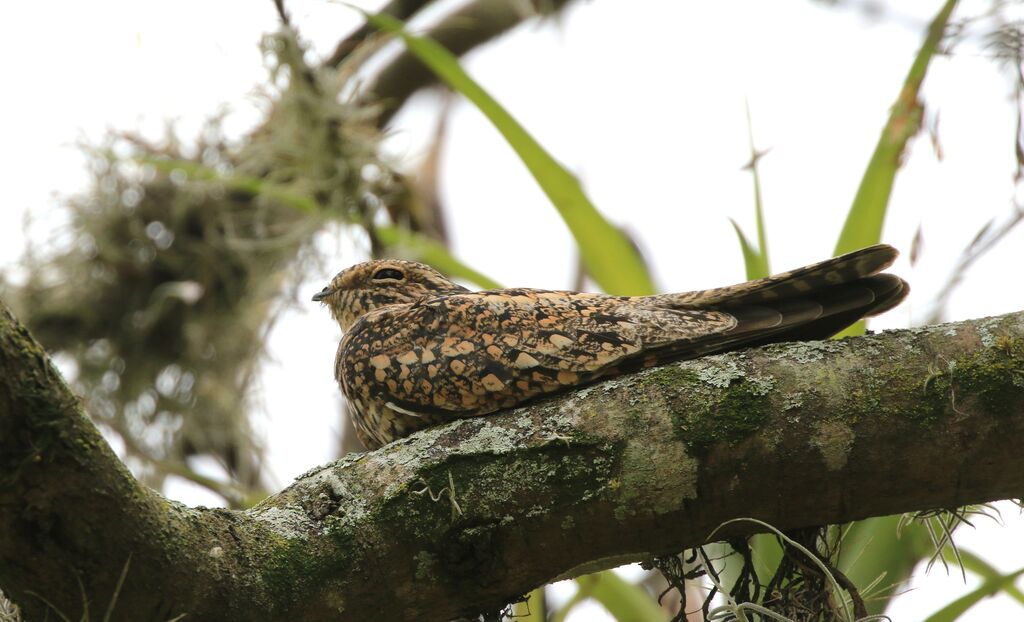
986,571
873,549
762,233
625,601
609,256
754,262
989,587
434,253
863,226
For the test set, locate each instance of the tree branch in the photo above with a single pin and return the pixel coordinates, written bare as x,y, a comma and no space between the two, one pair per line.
460,518
461,31
401,9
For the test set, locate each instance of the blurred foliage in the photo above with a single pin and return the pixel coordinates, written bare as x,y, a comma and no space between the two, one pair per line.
989,587
755,257
396,239
866,216
625,601
161,290
161,299
864,221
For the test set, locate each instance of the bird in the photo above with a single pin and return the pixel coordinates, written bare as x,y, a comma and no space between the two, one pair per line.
419,350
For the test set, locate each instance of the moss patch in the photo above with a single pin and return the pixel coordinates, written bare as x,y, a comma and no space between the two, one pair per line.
719,403
992,379
996,382
425,563
287,566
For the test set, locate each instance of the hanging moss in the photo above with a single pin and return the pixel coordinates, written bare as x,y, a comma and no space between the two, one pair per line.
162,285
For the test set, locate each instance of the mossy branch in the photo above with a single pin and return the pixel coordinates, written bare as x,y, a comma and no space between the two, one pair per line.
793,434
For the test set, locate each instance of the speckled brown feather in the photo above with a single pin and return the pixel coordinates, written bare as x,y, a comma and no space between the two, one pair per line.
420,350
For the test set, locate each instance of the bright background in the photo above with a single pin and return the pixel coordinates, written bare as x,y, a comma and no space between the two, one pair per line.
644,100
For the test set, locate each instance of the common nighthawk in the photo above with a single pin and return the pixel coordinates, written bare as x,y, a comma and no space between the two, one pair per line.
419,350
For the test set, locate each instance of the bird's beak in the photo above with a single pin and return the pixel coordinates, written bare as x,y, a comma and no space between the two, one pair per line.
323,293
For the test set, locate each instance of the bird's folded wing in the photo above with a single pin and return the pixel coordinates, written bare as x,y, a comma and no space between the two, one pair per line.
479,352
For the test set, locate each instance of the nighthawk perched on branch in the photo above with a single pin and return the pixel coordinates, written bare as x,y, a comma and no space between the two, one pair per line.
419,350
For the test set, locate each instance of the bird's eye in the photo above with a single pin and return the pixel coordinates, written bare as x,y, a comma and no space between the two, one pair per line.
388,273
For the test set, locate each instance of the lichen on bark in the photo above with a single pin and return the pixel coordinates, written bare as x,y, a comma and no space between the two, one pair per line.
461,518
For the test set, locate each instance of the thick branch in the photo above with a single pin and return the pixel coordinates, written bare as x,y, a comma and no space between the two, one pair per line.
462,517
461,31
401,9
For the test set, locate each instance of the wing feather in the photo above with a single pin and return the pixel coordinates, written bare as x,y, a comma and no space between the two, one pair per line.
474,353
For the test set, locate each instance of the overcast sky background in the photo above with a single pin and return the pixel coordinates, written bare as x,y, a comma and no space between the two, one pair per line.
644,100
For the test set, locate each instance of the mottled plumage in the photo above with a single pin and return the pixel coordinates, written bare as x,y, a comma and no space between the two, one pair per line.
419,350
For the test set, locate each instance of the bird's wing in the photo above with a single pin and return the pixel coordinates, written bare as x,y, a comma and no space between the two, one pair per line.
475,353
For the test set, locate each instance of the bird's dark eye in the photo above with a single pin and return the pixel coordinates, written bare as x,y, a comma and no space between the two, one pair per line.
388,273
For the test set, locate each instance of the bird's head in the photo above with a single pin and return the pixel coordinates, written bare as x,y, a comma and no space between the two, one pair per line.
374,284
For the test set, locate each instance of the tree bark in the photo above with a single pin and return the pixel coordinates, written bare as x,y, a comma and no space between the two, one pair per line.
463,517
463,30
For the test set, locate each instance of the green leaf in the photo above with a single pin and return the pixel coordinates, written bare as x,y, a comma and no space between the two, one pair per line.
755,258
989,587
432,252
986,571
560,614
762,234
875,551
864,221
755,263
607,253
625,601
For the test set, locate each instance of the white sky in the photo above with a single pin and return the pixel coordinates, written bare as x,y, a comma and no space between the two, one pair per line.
644,100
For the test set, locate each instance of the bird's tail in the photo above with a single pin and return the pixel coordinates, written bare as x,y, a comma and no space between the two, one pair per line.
813,302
